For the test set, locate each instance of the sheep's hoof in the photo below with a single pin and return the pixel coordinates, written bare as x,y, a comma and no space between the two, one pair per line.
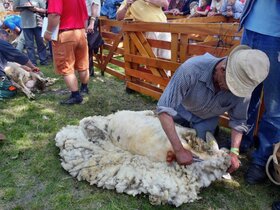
31,96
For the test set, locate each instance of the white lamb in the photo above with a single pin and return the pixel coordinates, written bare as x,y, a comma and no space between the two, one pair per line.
127,151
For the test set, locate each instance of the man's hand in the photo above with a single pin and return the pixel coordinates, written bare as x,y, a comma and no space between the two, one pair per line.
175,11
90,28
47,36
230,14
235,163
184,157
36,70
34,9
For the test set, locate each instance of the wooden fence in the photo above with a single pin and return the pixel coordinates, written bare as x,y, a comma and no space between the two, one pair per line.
134,54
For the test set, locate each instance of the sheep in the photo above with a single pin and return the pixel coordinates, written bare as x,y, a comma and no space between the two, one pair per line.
126,151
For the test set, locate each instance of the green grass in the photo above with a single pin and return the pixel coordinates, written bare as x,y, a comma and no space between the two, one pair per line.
31,175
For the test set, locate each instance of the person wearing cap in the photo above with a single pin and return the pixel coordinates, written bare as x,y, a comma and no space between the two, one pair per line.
262,31
203,88
13,22
9,53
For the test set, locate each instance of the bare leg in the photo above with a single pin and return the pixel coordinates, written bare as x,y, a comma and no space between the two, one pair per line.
71,82
84,76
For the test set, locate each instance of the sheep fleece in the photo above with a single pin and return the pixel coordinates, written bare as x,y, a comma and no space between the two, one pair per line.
126,151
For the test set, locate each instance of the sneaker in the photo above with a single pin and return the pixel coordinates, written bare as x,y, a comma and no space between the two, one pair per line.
72,100
84,91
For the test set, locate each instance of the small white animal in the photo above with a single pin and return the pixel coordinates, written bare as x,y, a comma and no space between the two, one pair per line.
27,81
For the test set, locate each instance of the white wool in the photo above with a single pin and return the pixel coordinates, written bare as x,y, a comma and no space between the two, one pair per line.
126,151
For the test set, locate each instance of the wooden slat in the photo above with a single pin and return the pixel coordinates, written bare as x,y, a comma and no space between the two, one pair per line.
149,50
143,52
159,44
117,62
104,21
108,35
151,62
115,73
211,19
171,17
194,49
114,47
146,44
183,47
150,86
138,45
148,77
230,29
143,90
107,46
174,47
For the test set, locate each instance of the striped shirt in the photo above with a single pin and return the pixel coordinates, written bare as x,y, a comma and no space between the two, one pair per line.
192,89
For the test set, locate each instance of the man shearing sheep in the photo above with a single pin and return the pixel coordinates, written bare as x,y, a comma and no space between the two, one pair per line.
205,87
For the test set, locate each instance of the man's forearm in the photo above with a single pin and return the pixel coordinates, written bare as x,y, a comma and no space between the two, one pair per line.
94,10
53,21
94,15
168,126
236,138
121,12
30,65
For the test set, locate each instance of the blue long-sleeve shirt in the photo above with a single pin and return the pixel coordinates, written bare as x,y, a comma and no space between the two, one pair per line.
109,8
262,17
9,53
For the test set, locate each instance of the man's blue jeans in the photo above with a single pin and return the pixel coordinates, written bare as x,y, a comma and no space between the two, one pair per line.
29,35
269,128
187,119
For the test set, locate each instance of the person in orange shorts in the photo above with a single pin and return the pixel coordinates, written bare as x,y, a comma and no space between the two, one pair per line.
70,51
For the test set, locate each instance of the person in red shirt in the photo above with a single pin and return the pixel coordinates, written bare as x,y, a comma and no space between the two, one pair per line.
70,51
202,10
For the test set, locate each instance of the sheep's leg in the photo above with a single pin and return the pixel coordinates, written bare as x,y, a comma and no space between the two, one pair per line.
36,76
21,86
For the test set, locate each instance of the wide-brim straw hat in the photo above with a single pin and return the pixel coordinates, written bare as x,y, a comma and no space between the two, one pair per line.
246,69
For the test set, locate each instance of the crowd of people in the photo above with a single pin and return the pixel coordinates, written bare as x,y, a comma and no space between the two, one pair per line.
201,89
201,8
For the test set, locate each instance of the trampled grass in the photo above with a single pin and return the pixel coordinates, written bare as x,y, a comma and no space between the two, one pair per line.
31,176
